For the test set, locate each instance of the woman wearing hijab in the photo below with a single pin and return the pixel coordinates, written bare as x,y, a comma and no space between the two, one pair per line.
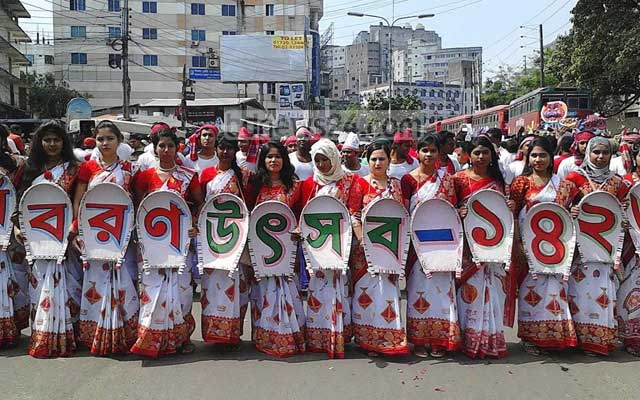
574,162
328,304
592,286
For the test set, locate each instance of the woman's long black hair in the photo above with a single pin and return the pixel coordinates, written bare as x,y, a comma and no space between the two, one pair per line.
539,141
6,161
287,174
229,141
493,170
38,157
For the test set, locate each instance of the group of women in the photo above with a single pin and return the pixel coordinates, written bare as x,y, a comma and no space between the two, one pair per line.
119,309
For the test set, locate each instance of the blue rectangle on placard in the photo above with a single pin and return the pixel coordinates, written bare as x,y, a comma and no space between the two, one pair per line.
435,235
204,73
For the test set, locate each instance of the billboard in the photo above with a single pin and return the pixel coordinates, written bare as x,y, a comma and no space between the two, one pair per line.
271,58
291,99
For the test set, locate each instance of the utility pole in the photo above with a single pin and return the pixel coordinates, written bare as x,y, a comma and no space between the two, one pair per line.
541,57
525,65
126,82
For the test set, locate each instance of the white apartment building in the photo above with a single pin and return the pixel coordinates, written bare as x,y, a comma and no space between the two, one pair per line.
13,91
439,101
165,35
41,57
424,60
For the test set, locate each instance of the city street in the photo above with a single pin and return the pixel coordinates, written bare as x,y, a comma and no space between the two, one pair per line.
248,374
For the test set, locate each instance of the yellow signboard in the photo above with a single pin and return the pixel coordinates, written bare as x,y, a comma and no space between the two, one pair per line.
289,42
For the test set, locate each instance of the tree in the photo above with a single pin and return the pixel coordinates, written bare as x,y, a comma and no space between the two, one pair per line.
509,83
47,98
601,53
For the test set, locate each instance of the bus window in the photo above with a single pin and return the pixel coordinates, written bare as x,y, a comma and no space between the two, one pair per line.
573,103
584,103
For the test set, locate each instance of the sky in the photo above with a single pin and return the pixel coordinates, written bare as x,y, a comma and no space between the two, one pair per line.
491,24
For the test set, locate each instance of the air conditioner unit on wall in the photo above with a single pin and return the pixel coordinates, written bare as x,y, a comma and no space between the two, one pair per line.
195,43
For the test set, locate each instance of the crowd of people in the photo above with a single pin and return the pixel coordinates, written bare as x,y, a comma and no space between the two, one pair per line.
112,309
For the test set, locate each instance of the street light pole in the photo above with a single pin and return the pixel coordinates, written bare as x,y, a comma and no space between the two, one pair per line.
390,52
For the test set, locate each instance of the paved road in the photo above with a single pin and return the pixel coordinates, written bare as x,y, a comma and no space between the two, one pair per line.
247,374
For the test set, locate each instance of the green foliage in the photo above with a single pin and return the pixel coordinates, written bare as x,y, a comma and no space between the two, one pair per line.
48,99
510,83
601,52
380,102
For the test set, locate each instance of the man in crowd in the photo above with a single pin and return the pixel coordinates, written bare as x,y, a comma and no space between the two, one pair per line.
350,156
578,148
301,159
401,162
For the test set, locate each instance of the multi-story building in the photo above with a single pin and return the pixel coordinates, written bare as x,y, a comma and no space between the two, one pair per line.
425,60
40,55
13,91
400,37
439,101
165,35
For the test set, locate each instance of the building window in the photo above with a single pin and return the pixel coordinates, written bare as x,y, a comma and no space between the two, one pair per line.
271,88
269,10
114,5
150,33
115,32
48,60
270,33
150,60
228,10
228,33
78,58
197,9
199,61
77,5
198,34
31,58
115,60
79,32
150,7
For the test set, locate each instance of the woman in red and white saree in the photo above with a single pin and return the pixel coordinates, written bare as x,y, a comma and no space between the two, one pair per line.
592,286
55,289
432,311
14,298
166,295
483,289
278,313
544,319
375,307
628,304
110,303
329,300
224,298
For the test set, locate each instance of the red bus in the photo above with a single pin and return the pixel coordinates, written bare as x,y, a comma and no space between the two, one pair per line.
494,117
452,124
525,111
